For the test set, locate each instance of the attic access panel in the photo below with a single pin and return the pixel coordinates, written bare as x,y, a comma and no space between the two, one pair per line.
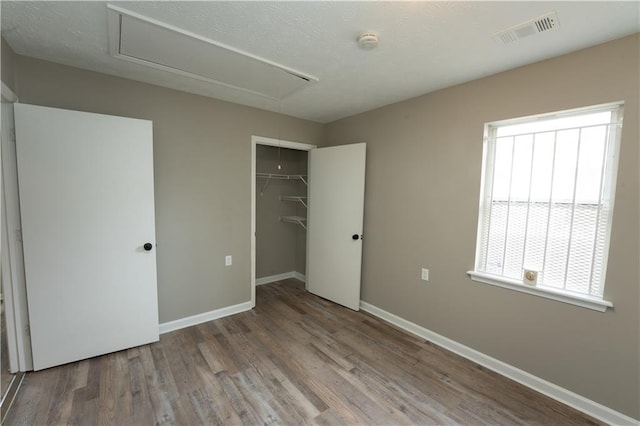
145,41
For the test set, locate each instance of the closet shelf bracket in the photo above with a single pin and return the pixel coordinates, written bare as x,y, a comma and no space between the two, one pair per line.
301,200
299,220
269,176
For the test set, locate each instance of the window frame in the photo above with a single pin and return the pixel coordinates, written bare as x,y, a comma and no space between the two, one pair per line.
609,185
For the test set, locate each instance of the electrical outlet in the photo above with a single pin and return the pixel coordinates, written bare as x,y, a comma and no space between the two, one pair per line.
228,260
425,274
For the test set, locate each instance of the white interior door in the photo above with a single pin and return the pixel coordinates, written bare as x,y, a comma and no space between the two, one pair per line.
335,217
87,208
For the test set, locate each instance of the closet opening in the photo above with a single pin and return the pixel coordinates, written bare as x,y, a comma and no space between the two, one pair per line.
279,211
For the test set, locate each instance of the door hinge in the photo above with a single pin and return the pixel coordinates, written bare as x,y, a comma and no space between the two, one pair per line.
12,135
27,329
19,235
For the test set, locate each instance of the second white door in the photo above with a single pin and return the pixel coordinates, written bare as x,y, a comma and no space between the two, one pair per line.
335,223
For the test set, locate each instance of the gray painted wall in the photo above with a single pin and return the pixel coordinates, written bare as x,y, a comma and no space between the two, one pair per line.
423,183
278,244
202,160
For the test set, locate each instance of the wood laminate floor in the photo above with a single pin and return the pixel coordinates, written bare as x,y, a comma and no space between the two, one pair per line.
295,359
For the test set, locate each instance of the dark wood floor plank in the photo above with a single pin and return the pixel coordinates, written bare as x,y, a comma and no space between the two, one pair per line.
220,404
60,408
179,356
261,399
295,359
216,344
208,353
284,389
141,402
122,385
164,377
376,408
286,363
405,370
243,409
287,404
417,406
289,359
107,413
157,387
45,393
86,414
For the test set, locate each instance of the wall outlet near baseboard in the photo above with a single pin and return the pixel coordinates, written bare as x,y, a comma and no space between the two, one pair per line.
228,260
425,274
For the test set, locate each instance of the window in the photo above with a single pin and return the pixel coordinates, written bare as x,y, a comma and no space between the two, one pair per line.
547,201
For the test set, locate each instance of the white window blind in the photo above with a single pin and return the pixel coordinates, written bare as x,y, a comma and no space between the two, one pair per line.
547,198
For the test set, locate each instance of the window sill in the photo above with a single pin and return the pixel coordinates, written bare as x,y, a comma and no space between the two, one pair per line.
548,293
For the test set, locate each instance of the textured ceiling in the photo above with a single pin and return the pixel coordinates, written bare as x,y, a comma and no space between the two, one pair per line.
424,46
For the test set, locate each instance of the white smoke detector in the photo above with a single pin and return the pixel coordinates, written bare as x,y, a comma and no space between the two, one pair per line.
368,40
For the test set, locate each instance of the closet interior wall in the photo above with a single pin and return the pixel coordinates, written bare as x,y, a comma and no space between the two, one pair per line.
280,246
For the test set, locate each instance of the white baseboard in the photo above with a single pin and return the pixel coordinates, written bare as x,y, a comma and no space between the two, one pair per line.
556,392
166,327
280,277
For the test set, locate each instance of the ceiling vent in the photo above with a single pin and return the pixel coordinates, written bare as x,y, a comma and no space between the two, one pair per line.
145,41
538,25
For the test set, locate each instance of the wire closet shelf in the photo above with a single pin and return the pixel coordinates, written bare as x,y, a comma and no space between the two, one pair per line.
268,176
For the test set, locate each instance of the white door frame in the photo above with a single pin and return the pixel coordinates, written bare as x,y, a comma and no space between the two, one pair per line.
255,141
15,292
